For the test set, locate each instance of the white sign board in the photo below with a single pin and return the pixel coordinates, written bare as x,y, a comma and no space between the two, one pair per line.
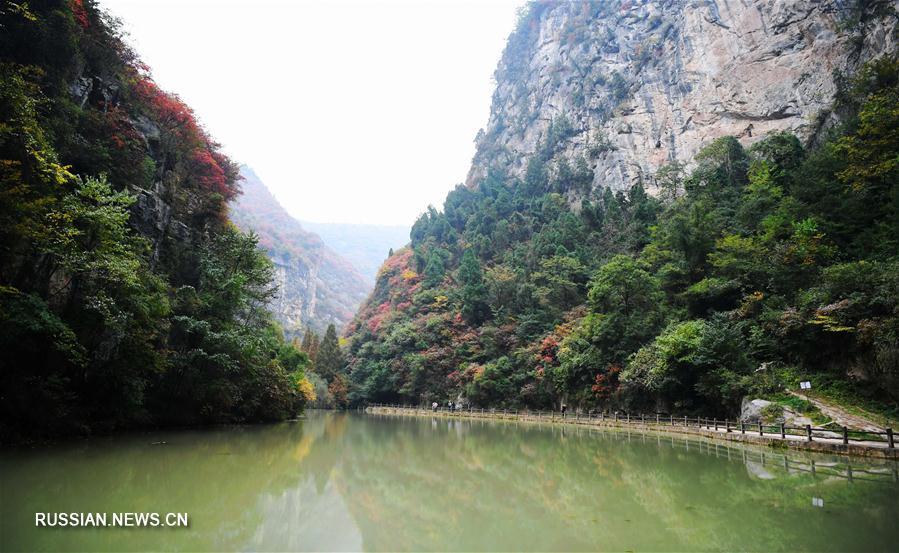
805,385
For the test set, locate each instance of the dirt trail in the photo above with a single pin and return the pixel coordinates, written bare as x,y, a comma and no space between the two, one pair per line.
840,416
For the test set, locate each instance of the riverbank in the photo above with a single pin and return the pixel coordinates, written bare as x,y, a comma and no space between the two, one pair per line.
717,431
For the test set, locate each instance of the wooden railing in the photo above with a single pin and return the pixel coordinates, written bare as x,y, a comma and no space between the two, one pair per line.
781,431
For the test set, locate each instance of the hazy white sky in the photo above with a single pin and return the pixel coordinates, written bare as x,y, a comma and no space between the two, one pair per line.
349,111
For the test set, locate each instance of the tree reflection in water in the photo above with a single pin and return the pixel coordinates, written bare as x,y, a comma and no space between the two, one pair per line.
338,481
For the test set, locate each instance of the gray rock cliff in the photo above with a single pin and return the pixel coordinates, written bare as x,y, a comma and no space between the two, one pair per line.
634,85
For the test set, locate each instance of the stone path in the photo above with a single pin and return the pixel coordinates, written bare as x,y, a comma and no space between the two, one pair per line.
841,416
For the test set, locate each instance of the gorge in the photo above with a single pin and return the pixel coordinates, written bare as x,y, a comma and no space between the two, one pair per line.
661,311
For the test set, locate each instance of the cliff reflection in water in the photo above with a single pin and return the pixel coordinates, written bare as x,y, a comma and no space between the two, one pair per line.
337,481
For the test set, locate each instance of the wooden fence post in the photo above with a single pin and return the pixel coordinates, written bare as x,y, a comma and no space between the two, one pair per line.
742,427
808,431
727,425
685,421
890,438
783,432
845,435
761,432
716,424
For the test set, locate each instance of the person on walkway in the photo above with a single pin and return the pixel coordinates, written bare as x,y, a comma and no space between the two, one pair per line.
434,406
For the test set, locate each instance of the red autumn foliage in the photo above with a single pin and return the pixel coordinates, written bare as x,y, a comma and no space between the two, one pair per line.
209,174
211,169
382,312
80,13
167,109
606,383
549,349
121,131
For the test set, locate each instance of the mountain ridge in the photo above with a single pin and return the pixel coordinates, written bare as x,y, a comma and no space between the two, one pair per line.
366,246
317,286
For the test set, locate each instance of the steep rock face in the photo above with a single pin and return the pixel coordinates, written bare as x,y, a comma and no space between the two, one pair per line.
316,286
635,85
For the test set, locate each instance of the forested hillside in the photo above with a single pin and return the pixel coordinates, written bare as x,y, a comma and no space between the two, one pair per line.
365,246
316,286
759,260
126,296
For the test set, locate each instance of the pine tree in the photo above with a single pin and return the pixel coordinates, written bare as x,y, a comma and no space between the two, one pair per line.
310,344
434,269
307,340
313,348
474,293
329,361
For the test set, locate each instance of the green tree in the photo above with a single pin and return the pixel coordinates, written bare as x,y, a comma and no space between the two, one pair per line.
329,361
474,292
435,268
310,344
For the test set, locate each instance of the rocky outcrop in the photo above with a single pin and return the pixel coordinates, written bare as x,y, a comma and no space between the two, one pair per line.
631,86
316,287
754,411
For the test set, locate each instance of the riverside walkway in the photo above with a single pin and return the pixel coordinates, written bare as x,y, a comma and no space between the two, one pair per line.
829,440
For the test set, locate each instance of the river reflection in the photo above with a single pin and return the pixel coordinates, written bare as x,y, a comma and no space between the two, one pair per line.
337,481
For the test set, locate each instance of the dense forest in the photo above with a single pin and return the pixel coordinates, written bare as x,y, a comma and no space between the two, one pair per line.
755,269
126,296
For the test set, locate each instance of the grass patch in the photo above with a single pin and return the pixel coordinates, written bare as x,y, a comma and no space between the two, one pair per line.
856,398
801,406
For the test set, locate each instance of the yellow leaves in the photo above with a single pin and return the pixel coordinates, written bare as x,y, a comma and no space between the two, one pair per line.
830,323
440,302
306,390
409,274
751,304
828,316
22,10
49,168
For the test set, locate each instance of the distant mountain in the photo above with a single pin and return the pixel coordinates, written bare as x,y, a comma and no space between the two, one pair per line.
317,286
365,246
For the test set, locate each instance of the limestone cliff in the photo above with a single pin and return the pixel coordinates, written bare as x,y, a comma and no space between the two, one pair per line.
634,85
317,287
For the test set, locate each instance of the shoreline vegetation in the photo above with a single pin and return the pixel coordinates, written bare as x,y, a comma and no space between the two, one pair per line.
707,428
759,268
127,297
130,301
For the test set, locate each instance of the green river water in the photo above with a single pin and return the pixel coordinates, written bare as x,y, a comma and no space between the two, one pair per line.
350,481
